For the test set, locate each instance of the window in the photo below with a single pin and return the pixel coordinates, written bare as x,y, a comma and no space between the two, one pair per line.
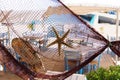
87,17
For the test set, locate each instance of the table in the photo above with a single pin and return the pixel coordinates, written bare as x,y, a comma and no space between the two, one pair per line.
26,37
76,40
82,50
33,36
36,39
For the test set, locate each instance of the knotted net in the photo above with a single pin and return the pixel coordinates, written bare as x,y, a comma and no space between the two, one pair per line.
41,32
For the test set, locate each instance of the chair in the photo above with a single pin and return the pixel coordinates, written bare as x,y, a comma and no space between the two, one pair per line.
72,56
93,65
112,38
4,38
43,43
1,67
87,42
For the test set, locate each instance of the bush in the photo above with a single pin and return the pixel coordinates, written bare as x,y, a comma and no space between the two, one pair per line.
113,73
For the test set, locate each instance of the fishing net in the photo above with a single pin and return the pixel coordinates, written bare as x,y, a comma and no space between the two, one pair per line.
44,34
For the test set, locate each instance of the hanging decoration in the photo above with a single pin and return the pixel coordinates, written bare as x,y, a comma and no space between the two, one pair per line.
42,50
59,40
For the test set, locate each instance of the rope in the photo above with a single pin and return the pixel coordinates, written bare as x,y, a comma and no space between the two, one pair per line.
110,44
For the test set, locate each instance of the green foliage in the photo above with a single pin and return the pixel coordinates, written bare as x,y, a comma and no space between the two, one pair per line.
113,73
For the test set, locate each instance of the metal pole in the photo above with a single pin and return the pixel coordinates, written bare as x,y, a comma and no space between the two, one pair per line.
117,26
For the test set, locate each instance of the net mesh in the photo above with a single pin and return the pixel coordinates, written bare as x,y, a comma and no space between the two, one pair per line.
31,30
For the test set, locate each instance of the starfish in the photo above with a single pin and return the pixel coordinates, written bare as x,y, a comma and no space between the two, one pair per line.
59,40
